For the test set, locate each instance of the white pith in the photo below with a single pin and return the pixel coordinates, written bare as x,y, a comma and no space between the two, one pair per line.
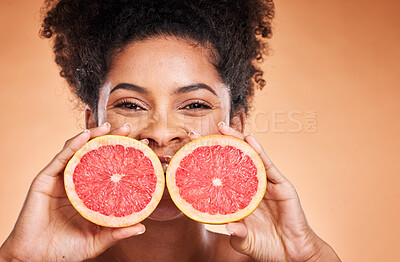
116,177
203,217
112,221
216,182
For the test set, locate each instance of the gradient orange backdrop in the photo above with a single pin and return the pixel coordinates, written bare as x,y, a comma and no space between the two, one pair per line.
328,117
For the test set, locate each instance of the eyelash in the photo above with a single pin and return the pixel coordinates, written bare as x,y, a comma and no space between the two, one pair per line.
199,106
124,104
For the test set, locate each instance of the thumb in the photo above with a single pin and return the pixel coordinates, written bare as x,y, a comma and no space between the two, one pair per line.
239,236
110,236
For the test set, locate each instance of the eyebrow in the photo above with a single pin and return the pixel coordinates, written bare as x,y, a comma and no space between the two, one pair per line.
181,90
131,87
189,88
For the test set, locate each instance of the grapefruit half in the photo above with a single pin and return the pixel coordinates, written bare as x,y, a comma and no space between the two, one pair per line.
114,181
216,179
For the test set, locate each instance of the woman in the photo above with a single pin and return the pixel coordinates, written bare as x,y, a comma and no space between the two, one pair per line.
164,72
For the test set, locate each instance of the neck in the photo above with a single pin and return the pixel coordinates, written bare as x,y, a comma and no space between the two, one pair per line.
181,239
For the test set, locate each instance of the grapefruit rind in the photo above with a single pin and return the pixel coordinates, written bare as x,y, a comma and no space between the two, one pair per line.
96,217
211,140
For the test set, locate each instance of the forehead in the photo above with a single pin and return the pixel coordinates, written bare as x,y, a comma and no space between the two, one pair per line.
163,62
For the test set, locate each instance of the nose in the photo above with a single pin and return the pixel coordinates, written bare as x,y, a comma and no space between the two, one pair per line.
163,131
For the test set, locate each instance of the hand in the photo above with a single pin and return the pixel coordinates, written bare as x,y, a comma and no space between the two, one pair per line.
278,229
48,227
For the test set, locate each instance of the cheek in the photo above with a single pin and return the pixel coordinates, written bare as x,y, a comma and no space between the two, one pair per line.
138,123
205,125
208,124
225,99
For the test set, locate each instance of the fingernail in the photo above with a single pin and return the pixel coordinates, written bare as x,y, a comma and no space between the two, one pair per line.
222,123
231,233
106,124
127,125
193,133
141,232
145,141
86,131
167,159
249,134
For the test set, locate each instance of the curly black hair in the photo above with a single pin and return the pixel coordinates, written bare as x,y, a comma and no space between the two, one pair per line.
86,34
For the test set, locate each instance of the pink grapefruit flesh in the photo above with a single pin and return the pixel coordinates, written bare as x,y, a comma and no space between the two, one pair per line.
216,179
114,181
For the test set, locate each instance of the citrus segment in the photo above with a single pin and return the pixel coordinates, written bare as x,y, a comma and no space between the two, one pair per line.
216,179
114,181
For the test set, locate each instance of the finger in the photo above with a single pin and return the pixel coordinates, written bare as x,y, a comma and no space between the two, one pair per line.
239,236
273,174
237,229
109,236
124,130
193,135
100,130
57,165
125,232
227,130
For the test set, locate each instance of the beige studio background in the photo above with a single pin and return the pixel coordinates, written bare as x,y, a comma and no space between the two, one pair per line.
328,117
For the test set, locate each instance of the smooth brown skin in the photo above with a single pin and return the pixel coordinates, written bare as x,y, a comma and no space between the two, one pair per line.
49,228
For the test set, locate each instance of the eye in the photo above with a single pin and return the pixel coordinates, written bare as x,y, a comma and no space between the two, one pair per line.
128,105
197,105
